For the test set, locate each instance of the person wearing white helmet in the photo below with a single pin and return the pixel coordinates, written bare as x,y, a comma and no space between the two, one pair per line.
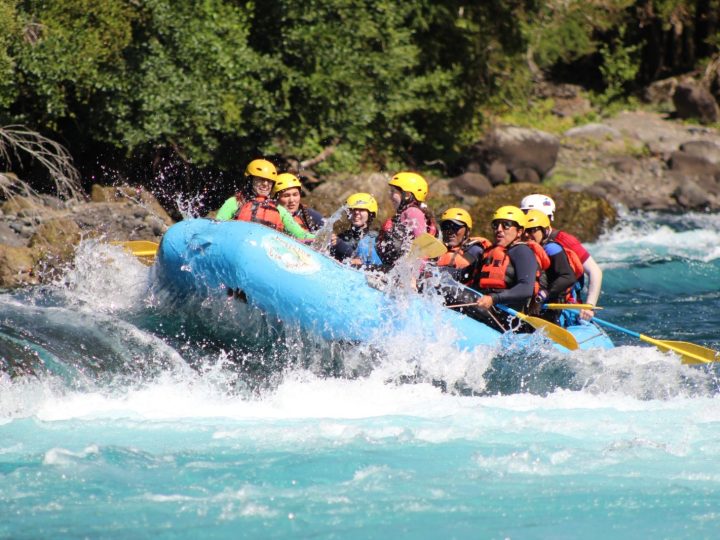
545,204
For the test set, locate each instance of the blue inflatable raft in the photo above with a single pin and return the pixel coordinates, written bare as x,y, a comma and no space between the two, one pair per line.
294,284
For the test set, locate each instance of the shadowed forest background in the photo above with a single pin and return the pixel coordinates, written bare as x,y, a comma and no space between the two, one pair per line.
179,95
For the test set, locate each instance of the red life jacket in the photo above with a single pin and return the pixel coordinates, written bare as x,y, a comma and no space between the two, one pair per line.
261,210
575,263
573,257
541,256
497,273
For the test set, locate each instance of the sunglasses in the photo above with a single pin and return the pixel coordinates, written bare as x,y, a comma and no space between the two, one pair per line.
504,223
450,226
534,230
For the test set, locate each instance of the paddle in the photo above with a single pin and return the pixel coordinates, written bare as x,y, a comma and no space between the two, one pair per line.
426,245
571,306
690,353
556,333
139,248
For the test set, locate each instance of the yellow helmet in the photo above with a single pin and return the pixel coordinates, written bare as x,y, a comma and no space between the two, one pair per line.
457,214
536,218
412,183
286,181
262,168
511,213
362,201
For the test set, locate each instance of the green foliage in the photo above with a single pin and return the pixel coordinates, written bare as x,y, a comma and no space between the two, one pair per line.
69,55
194,83
538,115
396,83
354,73
563,31
619,67
10,34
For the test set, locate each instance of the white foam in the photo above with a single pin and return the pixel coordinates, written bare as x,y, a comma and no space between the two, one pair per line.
647,236
104,278
63,456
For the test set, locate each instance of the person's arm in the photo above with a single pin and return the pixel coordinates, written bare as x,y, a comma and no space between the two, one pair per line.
595,276
342,250
292,227
227,210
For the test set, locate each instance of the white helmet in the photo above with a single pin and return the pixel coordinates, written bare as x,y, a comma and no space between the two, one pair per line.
539,202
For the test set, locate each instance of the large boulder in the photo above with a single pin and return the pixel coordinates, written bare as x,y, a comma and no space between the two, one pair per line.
526,153
694,101
469,186
17,266
708,150
583,214
692,164
122,220
124,194
692,196
56,239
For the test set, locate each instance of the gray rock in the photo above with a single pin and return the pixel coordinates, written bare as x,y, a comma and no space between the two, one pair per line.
473,184
692,165
593,131
597,190
660,92
568,99
521,148
10,237
708,150
694,101
692,197
568,107
626,165
497,173
525,174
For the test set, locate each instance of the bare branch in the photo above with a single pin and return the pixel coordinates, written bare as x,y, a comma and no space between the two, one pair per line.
50,154
322,156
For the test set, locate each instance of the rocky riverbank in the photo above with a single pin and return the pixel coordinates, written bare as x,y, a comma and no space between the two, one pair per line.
639,160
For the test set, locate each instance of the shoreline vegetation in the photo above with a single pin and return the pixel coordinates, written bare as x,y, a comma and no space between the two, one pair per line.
112,111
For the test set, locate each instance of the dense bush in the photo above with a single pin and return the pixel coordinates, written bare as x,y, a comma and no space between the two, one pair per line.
127,83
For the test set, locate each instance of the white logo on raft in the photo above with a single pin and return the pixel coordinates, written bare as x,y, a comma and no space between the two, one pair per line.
289,256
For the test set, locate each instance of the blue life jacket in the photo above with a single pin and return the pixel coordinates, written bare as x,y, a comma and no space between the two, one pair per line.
366,250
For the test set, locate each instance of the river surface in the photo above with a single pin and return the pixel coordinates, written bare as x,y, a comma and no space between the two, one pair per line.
126,415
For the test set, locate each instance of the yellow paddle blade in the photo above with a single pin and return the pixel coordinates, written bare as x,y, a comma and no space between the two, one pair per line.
690,352
571,306
139,248
426,245
556,333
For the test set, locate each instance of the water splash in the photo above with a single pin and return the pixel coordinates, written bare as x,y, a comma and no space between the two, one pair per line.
323,235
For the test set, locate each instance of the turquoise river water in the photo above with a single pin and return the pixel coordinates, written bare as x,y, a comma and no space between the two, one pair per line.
124,415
